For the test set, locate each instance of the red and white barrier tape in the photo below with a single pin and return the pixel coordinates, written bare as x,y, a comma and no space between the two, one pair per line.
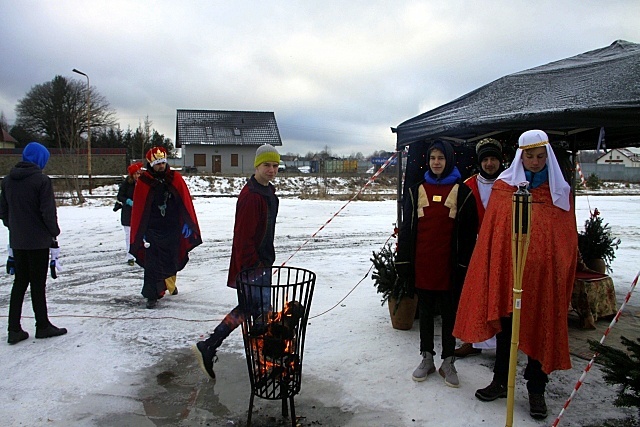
582,180
371,179
588,368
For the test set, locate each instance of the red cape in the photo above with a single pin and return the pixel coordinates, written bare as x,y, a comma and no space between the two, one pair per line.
140,215
547,281
472,183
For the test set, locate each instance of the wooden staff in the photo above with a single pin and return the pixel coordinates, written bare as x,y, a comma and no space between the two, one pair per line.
520,237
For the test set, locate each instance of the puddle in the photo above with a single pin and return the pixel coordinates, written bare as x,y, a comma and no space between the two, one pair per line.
176,393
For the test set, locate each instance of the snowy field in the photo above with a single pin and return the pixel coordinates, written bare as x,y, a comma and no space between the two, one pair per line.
353,359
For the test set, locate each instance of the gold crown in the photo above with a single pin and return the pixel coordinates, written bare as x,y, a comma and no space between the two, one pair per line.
156,155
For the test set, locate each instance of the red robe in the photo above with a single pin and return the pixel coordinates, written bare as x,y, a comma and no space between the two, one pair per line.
140,216
547,280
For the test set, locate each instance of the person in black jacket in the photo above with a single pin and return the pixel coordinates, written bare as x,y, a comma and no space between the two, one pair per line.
435,243
28,209
125,199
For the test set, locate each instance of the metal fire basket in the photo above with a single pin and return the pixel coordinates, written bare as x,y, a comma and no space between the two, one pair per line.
276,302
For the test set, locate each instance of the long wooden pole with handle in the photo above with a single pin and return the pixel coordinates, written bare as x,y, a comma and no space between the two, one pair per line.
520,237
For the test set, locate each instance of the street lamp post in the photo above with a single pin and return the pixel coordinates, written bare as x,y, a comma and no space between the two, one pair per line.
88,127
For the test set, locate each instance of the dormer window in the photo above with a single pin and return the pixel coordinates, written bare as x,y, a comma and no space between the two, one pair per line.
236,131
208,130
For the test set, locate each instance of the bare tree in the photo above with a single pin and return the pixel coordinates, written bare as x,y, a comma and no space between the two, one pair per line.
56,112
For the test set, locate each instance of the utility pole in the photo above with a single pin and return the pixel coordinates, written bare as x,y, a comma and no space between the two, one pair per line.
88,127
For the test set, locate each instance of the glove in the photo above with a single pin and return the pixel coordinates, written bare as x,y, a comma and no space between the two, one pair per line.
117,206
54,265
186,231
129,202
11,265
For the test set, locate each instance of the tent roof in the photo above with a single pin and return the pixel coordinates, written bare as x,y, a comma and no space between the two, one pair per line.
570,99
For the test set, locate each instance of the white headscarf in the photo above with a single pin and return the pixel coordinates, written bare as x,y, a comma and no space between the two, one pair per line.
514,175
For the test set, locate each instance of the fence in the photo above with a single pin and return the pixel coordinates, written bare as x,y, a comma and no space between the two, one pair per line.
611,172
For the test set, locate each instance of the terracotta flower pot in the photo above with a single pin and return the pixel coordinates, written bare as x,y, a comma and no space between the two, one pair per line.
405,314
597,264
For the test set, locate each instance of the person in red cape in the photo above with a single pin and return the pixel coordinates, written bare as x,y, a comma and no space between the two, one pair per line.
486,301
489,153
164,226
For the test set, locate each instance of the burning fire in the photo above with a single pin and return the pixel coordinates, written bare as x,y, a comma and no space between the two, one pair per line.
274,343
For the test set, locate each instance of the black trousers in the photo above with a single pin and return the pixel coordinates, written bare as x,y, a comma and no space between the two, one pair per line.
427,303
536,379
32,267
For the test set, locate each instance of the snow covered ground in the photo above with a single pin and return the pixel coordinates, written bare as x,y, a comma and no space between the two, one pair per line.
98,374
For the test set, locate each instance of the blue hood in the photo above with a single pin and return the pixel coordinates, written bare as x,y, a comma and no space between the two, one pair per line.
36,153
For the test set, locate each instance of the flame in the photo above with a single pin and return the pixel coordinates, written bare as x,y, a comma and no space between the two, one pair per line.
274,343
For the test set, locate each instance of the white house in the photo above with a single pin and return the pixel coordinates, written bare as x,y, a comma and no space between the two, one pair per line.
223,142
628,157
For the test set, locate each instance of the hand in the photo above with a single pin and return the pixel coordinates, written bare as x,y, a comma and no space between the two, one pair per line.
11,265
186,231
129,202
55,253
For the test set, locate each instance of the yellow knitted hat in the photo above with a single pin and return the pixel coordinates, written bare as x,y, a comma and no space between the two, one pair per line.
266,153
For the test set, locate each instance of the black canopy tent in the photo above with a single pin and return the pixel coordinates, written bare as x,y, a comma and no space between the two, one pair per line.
570,99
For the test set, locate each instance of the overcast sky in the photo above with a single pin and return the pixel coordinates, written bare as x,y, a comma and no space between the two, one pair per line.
337,74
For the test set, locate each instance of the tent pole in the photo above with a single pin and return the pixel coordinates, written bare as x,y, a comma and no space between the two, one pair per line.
399,189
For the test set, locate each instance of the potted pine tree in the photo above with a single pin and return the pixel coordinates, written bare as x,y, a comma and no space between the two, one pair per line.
596,243
395,292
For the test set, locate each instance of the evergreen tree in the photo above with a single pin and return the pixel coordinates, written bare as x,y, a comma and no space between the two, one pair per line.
623,369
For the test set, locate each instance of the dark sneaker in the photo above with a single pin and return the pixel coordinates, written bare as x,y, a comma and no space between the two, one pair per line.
131,262
465,350
50,331
537,406
205,355
17,336
175,291
152,303
492,392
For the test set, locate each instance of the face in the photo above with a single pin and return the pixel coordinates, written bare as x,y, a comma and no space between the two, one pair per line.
490,164
534,159
437,162
265,172
159,167
136,175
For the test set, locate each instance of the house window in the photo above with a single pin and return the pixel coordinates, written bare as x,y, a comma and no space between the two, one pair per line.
234,160
199,160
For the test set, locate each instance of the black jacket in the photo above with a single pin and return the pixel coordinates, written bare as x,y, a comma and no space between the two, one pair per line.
126,192
28,207
463,242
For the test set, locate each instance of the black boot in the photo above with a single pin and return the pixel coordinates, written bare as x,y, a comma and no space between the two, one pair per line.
17,336
493,391
50,331
537,406
206,357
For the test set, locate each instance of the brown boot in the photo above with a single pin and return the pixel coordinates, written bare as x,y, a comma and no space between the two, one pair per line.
465,350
